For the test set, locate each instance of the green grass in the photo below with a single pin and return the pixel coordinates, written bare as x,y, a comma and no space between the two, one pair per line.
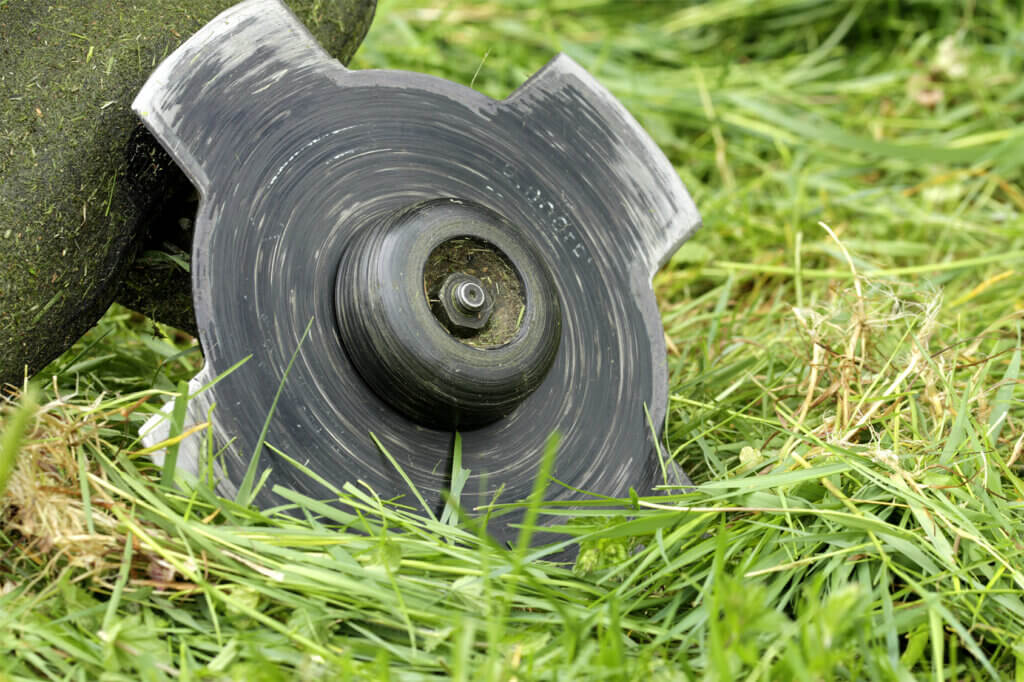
844,349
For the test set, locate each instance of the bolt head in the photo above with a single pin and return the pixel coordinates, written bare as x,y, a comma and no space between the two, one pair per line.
466,304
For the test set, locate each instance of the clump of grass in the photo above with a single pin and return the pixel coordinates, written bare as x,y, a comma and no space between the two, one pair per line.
865,536
55,515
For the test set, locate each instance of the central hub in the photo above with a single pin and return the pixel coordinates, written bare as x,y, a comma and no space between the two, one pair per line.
448,312
474,291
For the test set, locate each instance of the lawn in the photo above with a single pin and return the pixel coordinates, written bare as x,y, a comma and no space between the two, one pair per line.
844,348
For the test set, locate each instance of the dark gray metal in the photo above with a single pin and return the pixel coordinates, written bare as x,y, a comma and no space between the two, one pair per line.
298,159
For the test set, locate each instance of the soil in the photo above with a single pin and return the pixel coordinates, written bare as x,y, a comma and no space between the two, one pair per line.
504,287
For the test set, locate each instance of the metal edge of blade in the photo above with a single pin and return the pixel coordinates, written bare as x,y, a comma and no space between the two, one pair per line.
659,247
659,244
158,116
158,113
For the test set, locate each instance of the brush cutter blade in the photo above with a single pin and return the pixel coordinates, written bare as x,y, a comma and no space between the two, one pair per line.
397,257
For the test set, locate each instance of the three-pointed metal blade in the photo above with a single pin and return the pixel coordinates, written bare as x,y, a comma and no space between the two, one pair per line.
293,154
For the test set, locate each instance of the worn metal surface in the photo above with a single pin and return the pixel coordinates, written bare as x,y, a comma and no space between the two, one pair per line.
293,155
80,193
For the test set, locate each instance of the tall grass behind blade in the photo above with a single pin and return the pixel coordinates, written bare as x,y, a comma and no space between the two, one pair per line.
124,353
